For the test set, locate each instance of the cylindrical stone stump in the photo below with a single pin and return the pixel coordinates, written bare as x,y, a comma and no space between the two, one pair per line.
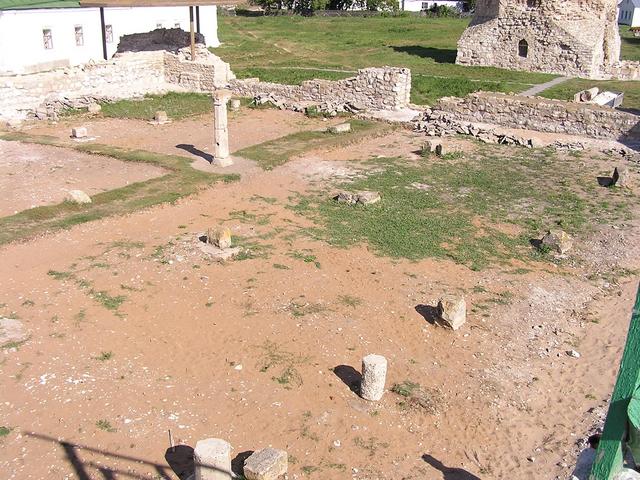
212,459
374,375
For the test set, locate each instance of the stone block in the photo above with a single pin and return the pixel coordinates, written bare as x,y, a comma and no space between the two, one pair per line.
266,464
366,197
430,146
212,458
340,128
94,108
621,177
557,240
452,311
78,196
161,117
219,238
79,132
374,376
234,104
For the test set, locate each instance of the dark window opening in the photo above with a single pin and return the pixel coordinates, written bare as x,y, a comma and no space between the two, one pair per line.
523,49
532,3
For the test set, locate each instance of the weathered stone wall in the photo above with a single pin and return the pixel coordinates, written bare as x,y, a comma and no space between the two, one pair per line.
567,37
541,114
385,88
125,76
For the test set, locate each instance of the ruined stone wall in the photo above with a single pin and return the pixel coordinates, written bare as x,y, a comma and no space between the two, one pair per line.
385,88
126,76
207,73
541,114
567,37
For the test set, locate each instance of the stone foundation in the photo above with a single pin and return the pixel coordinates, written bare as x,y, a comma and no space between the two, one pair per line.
541,114
385,88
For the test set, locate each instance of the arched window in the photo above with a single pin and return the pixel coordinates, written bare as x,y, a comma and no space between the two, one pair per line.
523,48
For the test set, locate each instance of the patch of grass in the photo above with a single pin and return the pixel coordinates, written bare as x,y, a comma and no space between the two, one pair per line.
274,356
180,181
349,301
459,216
5,431
14,344
405,389
178,105
415,396
372,445
306,258
59,275
309,469
28,303
105,425
108,301
279,151
104,356
280,266
299,309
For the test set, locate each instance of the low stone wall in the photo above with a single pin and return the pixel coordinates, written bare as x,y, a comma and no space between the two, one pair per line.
385,88
125,76
541,114
206,74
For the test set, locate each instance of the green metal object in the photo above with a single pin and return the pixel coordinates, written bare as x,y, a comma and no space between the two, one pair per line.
609,457
26,4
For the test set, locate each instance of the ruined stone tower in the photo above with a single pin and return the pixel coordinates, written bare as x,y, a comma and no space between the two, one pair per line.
567,37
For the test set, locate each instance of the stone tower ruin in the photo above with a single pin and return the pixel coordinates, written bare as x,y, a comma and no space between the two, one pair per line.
566,37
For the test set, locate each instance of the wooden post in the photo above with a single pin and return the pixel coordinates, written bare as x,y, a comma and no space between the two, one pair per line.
103,28
609,457
193,35
198,19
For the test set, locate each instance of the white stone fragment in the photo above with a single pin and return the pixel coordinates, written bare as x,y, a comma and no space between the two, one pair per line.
78,196
374,374
212,459
266,464
340,128
452,311
79,132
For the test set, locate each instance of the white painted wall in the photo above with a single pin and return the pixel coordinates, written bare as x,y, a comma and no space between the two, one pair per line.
419,5
21,37
628,13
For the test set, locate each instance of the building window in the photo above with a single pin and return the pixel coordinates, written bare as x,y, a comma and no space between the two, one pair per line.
523,49
425,5
79,36
158,25
108,33
532,3
177,25
47,39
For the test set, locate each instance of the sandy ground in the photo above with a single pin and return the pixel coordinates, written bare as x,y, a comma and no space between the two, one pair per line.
36,175
265,351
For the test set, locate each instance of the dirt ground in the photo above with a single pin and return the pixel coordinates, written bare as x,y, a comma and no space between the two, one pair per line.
36,175
133,332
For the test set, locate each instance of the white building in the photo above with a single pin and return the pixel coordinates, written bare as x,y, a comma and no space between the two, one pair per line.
629,12
38,35
421,5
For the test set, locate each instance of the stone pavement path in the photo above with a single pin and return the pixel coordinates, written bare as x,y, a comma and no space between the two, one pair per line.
533,91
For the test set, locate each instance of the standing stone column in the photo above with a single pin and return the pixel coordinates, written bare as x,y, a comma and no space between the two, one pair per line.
213,459
220,128
374,375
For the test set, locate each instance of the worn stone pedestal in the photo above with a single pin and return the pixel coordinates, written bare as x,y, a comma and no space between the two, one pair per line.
212,459
374,375
220,128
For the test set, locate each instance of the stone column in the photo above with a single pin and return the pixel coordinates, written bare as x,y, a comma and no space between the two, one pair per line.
374,375
213,459
220,128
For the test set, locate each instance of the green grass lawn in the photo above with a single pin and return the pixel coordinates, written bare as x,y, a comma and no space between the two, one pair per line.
294,49
458,208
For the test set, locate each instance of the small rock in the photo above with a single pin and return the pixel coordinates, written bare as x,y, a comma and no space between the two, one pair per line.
340,128
234,104
535,143
557,240
11,331
79,132
621,177
368,198
573,353
78,196
161,117
430,146
452,311
94,108
266,464
219,238
346,197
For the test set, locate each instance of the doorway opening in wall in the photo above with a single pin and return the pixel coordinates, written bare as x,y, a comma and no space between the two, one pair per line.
523,49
